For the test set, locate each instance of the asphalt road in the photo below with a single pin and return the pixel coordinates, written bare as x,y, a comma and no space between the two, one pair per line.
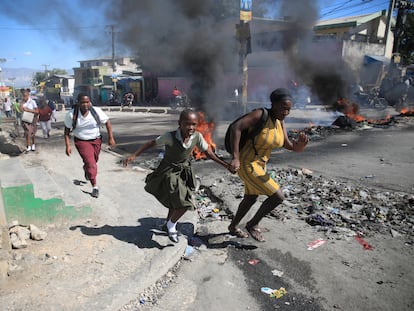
319,280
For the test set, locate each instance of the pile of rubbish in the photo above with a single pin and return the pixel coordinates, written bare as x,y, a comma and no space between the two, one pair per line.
341,208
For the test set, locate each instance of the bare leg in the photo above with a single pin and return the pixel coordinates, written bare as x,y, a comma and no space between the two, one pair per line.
267,206
177,214
170,212
242,210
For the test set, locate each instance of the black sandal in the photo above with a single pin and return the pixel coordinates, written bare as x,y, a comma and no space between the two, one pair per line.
238,233
255,233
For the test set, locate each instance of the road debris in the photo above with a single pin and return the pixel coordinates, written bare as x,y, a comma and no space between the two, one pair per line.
315,244
278,273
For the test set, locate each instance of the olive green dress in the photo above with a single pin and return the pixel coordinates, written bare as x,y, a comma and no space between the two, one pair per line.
172,182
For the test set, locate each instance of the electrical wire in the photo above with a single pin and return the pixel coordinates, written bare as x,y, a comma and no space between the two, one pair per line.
48,28
346,9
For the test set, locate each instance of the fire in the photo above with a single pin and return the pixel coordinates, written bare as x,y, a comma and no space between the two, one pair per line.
206,129
407,112
352,112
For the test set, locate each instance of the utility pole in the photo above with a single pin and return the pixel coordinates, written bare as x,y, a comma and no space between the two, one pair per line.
388,26
243,35
46,72
112,30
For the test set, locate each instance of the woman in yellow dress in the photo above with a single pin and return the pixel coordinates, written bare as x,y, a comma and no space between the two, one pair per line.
250,162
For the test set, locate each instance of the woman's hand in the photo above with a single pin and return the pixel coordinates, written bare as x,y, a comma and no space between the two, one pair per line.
128,160
234,165
301,142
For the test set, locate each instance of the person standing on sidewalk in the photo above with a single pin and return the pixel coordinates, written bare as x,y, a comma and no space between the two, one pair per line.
45,115
7,107
18,112
250,162
84,121
172,182
29,104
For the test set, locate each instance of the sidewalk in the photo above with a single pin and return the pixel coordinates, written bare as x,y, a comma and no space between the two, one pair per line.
104,252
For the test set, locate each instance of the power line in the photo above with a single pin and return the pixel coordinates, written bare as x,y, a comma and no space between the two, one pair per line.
49,28
335,9
358,10
361,6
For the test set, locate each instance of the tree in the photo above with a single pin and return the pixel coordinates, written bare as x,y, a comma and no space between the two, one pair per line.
43,75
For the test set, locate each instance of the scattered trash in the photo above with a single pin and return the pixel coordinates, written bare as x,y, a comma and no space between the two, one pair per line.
315,244
254,261
395,233
306,172
266,290
278,293
363,243
189,251
370,176
215,213
277,273
318,220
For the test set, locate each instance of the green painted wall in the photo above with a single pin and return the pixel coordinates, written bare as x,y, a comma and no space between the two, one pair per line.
20,204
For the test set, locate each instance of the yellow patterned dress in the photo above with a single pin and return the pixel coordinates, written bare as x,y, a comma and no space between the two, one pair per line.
253,166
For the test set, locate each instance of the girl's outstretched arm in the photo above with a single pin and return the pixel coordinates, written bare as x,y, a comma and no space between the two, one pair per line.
214,157
149,144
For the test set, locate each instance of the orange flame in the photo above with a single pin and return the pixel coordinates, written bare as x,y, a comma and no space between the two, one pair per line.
407,112
206,129
352,111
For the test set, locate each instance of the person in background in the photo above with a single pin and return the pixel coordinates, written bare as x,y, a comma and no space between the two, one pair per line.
28,104
84,121
18,112
172,182
52,106
45,115
7,106
250,162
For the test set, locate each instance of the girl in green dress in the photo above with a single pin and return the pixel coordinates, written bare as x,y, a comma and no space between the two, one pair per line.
172,182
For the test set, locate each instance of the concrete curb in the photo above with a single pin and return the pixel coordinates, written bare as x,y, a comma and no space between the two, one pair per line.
116,207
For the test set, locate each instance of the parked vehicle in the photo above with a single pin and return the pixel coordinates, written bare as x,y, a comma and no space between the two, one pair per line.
180,101
371,99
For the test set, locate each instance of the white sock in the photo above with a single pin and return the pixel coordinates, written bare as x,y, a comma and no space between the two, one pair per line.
171,226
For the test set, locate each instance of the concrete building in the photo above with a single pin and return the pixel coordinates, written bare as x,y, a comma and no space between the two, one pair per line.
362,42
60,88
97,78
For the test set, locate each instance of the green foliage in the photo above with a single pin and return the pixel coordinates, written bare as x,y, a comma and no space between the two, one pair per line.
43,75
406,48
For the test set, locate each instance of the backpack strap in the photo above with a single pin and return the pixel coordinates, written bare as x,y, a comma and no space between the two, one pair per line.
76,114
258,128
95,116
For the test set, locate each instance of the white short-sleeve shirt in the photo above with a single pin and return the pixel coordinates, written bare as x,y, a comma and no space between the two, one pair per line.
86,126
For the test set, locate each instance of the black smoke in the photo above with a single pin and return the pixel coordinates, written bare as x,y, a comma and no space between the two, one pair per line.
319,65
180,38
